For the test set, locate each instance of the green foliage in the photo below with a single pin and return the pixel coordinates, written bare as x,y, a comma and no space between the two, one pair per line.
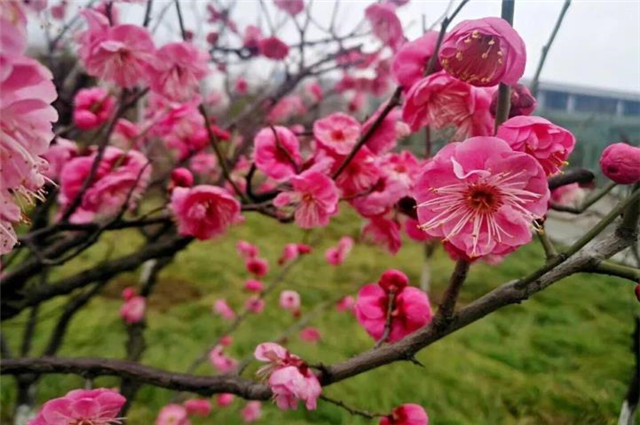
560,358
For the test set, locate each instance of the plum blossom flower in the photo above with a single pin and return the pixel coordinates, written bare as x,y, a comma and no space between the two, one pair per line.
410,62
440,100
336,255
203,211
177,71
621,163
289,377
247,250
383,231
255,304
198,407
180,177
92,107
550,144
286,108
251,412
273,48
411,307
310,335
224,399
570,194
173,414
347,303
128,293
388,131
99,406
223,309
337,132
257,266
292,251
413,230
522,101
120,180
277,152
481,197
314,92
220,361
253,285
290,300
314,199
121,54
292,7
58,154
132,311
484,52
385,24
360,175
407,414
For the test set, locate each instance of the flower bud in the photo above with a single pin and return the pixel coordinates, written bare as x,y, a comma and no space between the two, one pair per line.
522,101
393,280
621,163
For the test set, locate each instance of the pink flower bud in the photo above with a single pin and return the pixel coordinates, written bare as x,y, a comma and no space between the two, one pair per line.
393,280
310,335
181,177
621,163
132,311
251,412
253,285
255,304
128,293
407,414
257,266
273,48
226,340
224,399
290,300
346,304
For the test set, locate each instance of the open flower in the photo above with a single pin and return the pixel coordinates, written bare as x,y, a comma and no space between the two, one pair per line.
198,407
314,199
410,62
290,300
277,152
289,377
383,231
172,414
251,412
411,307
99,406
220,361
407,414
336,255
132,311
550,144
273,48
481,197
178,70
223,309
204,211
292,7
385,24
337,132
484,52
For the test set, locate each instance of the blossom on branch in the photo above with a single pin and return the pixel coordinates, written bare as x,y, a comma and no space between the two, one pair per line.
99,406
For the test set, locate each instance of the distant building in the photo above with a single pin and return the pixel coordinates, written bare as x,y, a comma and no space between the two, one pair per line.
581,100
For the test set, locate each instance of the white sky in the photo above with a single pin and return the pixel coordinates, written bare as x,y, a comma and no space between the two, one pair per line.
598,44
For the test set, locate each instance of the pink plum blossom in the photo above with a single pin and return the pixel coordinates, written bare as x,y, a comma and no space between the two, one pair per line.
198,407
481,197
410,62
178,70
128,293
223,309
247,250
180,177
277,152
224,399
411,311
336,255
100,406
286,108
255,304
251,412
570,194
413,230
241,86
385,24
120,180
346,304
253,285
440,101
621,163
362,173
484,52
273,48
132,311
387,133
292,251
522,101
92,108
172,414
310,335
550,144
407,414
203,211
337,132
314,199
257,266
383,231
121,54
292,7
290,300
58,154
314,92
220,361
289,377
205,165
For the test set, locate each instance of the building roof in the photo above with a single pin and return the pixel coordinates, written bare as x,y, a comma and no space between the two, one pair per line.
586,90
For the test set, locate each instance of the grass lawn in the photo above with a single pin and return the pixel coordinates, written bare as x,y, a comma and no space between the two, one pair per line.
563,357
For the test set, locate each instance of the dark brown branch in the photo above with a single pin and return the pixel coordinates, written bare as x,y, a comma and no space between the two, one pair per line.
450,296
581,176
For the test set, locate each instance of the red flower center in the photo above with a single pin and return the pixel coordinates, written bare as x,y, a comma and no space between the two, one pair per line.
483,198
337,135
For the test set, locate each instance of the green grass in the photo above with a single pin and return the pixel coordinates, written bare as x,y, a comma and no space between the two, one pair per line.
560,358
